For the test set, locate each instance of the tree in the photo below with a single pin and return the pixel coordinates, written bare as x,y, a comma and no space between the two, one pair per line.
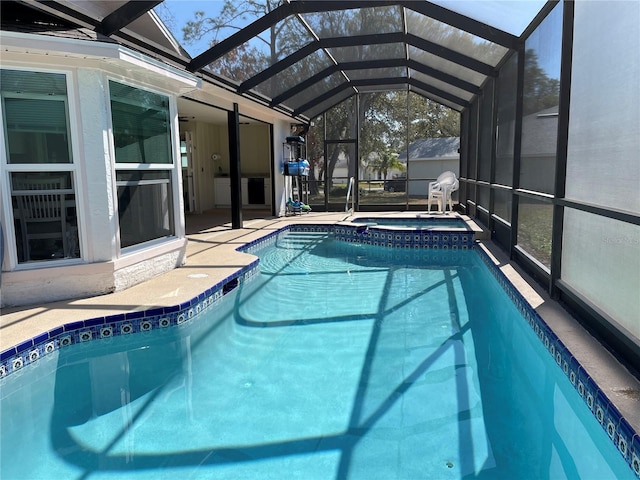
430,119
385,161
540,90
382,116
340,125
250,58
395,119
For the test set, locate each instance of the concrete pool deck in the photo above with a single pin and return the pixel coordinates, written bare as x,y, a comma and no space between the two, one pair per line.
212,257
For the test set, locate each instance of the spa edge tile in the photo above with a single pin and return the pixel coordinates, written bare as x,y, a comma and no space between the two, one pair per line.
24,346
93,322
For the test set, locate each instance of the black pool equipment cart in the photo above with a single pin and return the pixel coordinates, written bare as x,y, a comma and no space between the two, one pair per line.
296,172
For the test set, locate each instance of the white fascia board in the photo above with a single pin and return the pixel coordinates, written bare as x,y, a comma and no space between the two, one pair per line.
213,94
95,50
186,80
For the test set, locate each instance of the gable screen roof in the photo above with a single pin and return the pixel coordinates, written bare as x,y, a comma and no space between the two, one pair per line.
303,57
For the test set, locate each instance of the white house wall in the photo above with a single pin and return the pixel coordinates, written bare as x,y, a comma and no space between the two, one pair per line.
102,268
96,197
255,151
428,170
431,168
206,140
281,130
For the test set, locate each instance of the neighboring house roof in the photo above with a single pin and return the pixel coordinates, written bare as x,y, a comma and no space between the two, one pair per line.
433,149
540,133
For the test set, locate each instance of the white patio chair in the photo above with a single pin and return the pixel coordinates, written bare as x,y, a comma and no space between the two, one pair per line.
42,211
440,191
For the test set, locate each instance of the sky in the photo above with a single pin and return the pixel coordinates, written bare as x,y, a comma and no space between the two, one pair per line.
183,11
512,16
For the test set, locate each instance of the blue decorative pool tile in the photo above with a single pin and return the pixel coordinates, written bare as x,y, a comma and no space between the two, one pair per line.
17,363
92,322
126,328
602,408
635,455
145,325
55,332
24,346
50,347
153,312
136,314
34,354
625,438
41,338
70,327
85,335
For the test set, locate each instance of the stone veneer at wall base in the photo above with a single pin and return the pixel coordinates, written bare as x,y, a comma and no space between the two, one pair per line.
52,284
617,428
134,274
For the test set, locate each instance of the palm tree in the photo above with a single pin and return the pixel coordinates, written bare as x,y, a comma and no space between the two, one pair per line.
384,161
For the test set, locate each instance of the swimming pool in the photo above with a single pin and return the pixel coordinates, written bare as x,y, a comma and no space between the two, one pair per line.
369,362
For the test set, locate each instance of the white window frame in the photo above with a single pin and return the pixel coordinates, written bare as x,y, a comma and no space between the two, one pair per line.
10,263
174,168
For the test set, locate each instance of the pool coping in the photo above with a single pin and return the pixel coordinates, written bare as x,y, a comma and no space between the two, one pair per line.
608,403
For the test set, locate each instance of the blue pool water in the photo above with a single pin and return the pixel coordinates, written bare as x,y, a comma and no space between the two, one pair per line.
338,360
427,223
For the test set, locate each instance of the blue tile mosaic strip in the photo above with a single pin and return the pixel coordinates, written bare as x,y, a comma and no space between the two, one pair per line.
15,358
380,236
623,436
